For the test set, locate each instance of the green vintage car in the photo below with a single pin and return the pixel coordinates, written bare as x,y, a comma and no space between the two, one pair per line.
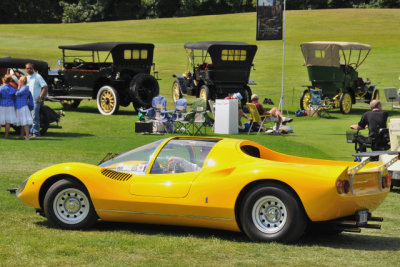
332,67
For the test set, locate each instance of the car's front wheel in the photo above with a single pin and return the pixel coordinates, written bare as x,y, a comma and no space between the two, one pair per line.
107,100
271,212
67,204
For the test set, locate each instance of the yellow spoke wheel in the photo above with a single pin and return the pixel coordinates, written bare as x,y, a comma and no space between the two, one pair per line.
345,103
107,100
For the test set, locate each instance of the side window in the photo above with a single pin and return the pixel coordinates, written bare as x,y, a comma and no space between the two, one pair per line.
127,54
143,54
182,156
319,53
174,158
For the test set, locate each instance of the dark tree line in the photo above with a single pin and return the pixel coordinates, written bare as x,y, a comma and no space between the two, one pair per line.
69,11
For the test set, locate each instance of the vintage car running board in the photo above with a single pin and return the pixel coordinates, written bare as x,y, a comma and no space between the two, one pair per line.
369,157
62,97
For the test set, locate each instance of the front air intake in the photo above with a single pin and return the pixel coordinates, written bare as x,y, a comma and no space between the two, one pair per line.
119,176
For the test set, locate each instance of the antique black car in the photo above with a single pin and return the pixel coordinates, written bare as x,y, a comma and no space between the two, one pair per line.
113,73
16,66
217,69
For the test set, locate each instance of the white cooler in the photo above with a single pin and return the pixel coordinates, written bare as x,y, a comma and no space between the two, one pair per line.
226,116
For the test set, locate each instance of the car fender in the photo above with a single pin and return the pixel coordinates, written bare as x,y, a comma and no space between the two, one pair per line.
98,184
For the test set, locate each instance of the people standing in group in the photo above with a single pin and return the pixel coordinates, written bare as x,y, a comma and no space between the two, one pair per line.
23,106
7,104
38,88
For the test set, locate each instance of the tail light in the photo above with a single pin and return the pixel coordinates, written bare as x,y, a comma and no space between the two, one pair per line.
386,181
343,186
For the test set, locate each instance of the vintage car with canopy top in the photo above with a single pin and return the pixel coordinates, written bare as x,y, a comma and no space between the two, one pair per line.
113,73
215,70
332,68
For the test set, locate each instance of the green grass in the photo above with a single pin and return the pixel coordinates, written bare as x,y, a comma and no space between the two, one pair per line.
26,238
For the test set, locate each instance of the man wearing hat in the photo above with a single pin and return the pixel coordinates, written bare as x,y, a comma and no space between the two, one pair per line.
241,114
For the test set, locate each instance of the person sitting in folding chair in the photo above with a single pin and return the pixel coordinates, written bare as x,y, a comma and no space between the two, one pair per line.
374,120
241,114
273,112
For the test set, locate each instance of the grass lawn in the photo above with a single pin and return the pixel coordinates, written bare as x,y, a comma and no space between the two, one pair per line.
27,239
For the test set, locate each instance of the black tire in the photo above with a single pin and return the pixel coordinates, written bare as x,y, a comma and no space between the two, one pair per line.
271,212
67,205
246,95
143,88
107,100
305,99
176,91
345,103
70,104
44,122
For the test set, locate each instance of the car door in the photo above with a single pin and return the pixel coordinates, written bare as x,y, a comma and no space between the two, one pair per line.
172,172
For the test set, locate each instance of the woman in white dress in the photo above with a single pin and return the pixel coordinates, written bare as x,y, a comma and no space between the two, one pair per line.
7,102
23,102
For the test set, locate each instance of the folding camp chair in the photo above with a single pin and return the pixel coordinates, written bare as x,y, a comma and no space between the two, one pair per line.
198,117
258,119
178,116
158,113
317,104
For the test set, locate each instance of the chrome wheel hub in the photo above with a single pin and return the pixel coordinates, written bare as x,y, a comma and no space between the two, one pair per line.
269,214
71,206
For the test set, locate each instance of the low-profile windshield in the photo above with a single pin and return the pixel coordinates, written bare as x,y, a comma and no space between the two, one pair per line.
133,161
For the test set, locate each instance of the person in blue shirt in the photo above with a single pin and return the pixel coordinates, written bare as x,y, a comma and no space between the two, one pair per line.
7,99
38,87
23,105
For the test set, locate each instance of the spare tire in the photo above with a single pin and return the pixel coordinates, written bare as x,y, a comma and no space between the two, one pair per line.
142,89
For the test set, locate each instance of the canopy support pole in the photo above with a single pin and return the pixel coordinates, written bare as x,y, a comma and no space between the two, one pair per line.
282,101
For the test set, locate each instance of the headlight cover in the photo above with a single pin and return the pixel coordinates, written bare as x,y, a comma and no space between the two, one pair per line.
21,187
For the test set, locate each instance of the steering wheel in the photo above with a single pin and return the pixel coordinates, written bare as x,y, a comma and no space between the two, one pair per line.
78,60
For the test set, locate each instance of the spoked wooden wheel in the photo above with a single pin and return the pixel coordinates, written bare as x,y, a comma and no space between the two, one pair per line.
107,100
305,100
176,91
345,103
204,93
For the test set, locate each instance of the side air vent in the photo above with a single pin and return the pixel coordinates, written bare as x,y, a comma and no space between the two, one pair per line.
119,176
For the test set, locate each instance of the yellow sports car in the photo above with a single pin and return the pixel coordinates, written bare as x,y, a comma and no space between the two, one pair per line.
222,183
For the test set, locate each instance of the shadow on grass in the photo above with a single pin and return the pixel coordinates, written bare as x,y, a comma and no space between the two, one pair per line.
341,241
94,110
353,241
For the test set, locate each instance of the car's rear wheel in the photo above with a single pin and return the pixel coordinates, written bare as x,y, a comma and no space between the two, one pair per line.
107,100
345,103
143,88
246,95
271,212
305,99
176,91
67,204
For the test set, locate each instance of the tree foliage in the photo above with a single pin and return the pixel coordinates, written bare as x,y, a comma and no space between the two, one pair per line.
71,11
